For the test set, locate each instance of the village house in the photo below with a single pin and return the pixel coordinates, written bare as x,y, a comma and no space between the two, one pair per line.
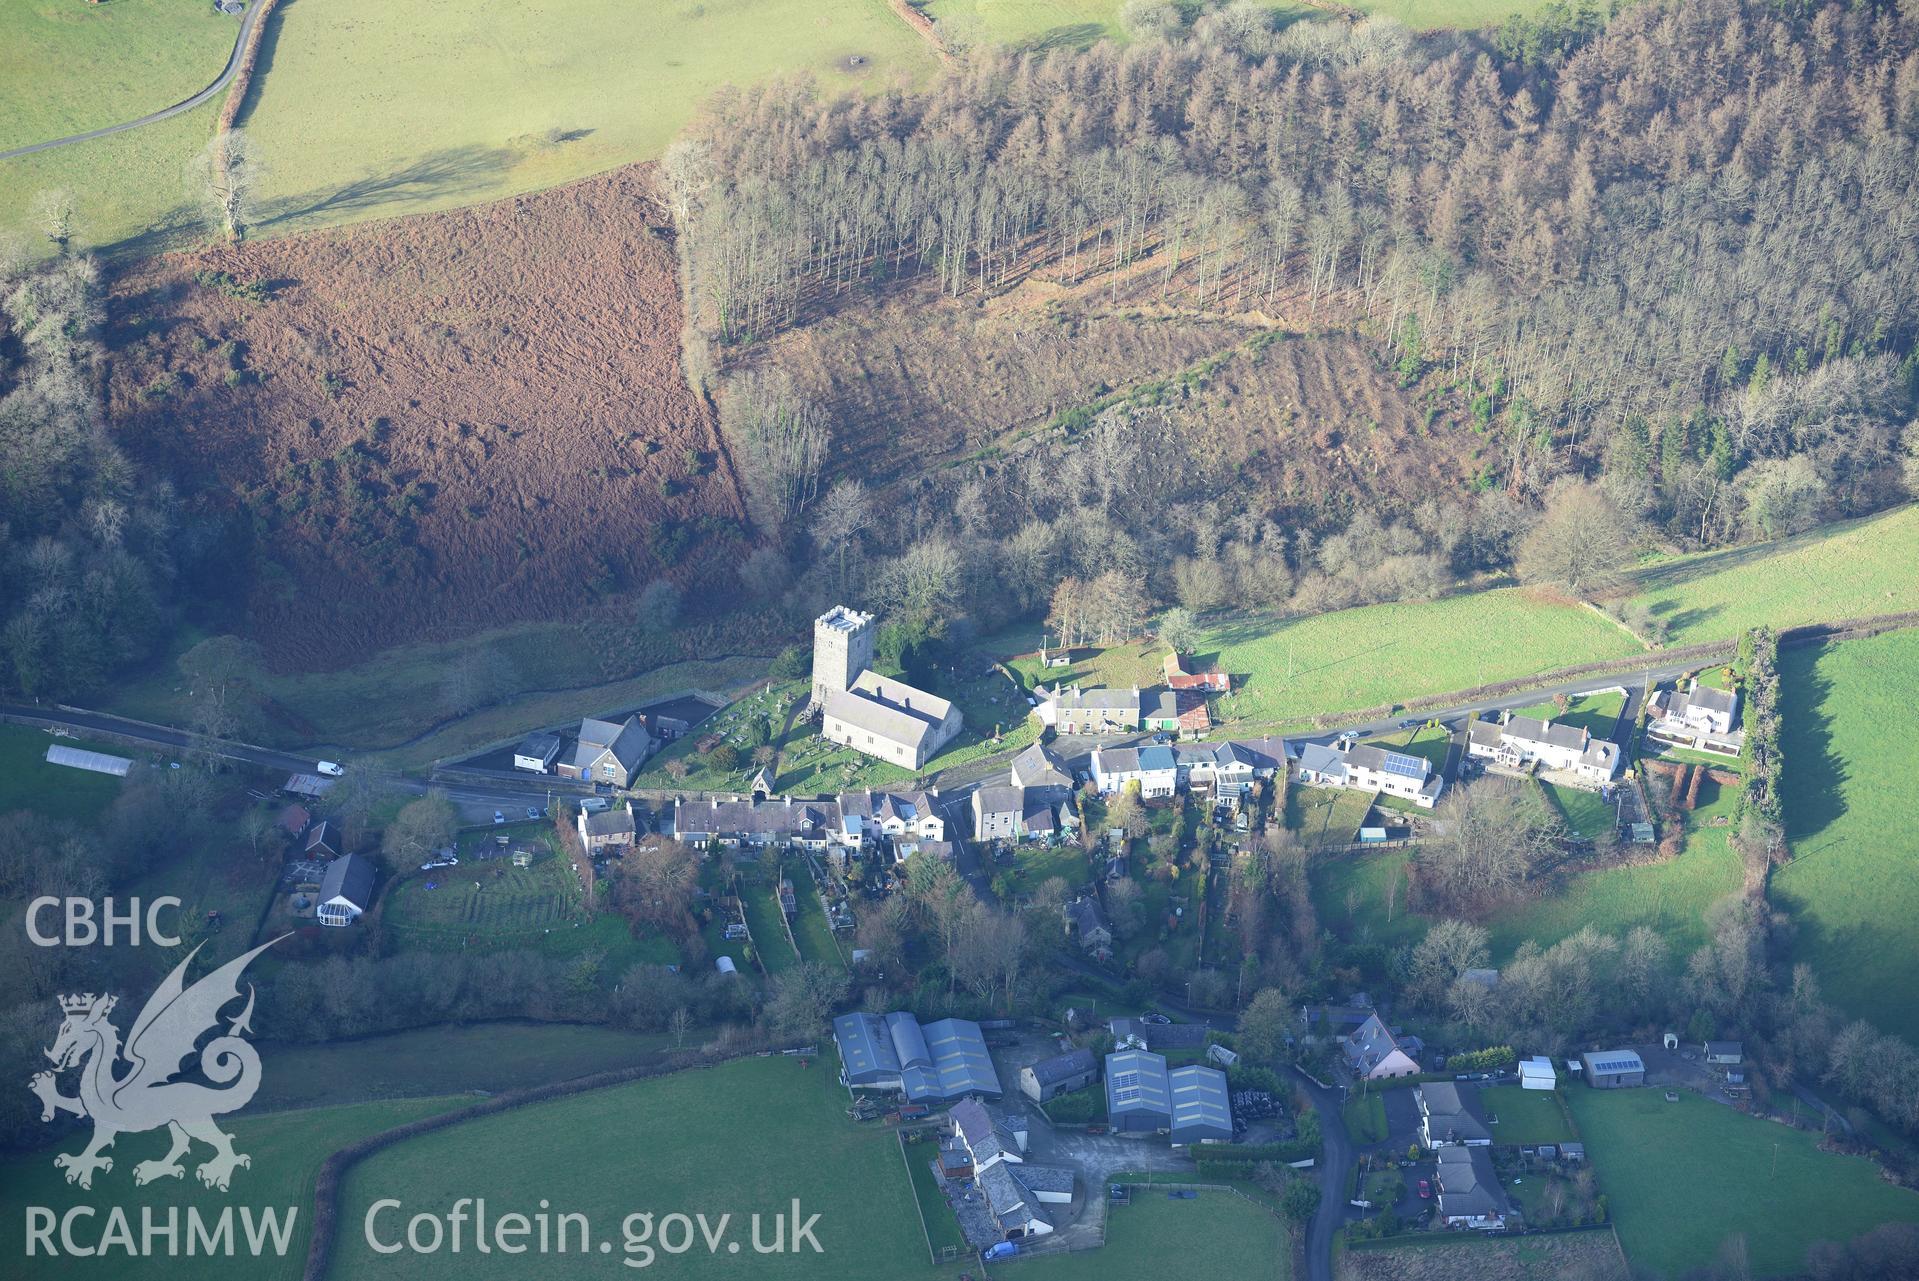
750,824
1370,769
1073,710
537,752
1449,1115
608,752
1374,1053
1699,717
1155,769
899,815
1173,711
1038,770
1526,742
346,891
1086,921
870,713
1469,1191
1059,1074
999,813
608,831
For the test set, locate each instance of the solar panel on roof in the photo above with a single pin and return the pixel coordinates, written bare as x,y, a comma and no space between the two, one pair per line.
1405,766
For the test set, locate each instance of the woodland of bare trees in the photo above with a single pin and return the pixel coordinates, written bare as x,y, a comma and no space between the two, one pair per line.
1672,253
86,550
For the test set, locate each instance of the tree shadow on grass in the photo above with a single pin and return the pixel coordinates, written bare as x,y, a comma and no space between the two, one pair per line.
1814,774
1078,35
455,171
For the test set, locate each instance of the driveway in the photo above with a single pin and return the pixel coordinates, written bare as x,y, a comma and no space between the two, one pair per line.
1335,1170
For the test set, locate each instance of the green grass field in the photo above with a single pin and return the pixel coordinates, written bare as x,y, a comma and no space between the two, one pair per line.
1215,1235
1285,672
1851,742
67,68
1847,570
744,1137
1350,894
286,1147
28,782
445,1060
1527,1116
1047,24
1682,1177
468,101
394,703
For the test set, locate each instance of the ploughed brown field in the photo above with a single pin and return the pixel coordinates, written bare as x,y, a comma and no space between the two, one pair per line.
433,425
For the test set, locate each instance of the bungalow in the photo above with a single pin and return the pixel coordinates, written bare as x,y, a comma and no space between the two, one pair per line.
1526,742
608,752
1725,1053
1375,1054
1450,1115
1060,1074
537,752
346,890
1469,1191
1370,769
1073,710
607,830
1086,921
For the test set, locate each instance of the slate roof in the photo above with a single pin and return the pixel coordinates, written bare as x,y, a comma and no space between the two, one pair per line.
1371,1043
1038,767
609,822
1713,700
1117,760
1063,1067
1156,759
349,877
1086,915
986,1136
1044,1178
1098,699
755,818
1532,729
1451,1113
1320,759
878,717
627,742
999,799
541,747
1012,1205
1485,734
1467,1186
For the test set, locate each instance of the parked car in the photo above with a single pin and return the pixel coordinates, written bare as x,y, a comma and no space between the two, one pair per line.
594,804
499,817
1411,722
533,811
332,769
1162,738
450,860
1425,1190
1157,1020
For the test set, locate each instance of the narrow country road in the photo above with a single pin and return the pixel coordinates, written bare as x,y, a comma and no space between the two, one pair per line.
1335,1168
248,20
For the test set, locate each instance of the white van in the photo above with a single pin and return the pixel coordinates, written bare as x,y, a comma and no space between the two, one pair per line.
332,769
594,804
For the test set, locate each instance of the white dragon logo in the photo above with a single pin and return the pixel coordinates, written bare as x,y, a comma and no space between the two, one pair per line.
146,1097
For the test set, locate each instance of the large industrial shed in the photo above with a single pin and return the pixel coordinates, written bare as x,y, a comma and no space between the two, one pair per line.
1613,1069
930,1063
1188,1103
1201,1110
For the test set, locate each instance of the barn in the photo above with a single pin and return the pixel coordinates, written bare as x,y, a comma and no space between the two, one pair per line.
1613,1069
